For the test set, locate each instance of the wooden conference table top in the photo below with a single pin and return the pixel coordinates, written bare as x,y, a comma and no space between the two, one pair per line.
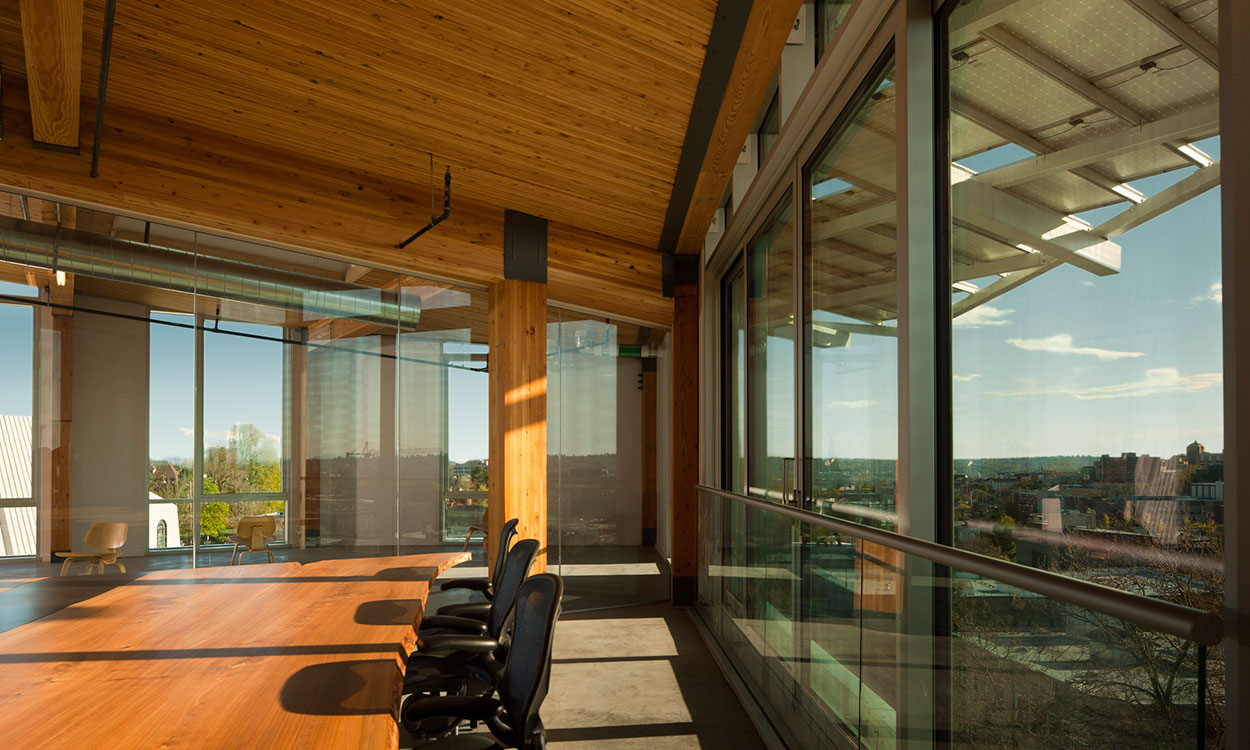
254,656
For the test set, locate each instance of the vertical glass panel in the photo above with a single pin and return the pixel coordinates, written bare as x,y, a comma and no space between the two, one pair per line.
829,16
1086,352
18,513
852,312
770,127
851,589
171,428
244,388
595,441
443,415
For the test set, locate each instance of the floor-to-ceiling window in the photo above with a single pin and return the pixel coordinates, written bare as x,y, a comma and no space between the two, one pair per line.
1077,217
1087,387
18,515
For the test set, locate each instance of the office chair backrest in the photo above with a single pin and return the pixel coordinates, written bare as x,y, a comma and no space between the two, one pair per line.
520,558
506,535
528,670
106,535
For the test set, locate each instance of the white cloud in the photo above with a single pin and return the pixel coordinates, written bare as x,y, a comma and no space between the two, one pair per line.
854,404
1061,343
1086,282
1214,294
966,378
985,315
1157,380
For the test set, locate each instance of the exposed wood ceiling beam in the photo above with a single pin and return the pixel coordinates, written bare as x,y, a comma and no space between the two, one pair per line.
1179,30
708,157
355,272
1195,122
1165,200
191,178
52,37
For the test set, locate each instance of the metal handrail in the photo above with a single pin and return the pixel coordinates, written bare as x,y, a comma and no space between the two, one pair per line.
1196,625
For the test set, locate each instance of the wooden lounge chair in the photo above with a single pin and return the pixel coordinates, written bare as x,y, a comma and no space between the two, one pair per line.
479,525
253,535
105,536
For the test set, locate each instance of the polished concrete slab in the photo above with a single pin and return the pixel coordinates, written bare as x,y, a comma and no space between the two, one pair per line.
634,678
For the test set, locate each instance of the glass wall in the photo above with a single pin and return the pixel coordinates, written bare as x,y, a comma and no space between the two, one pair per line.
1086,347
216,381
1079,426
597,505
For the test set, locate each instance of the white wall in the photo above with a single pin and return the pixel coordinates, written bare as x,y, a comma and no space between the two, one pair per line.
110,440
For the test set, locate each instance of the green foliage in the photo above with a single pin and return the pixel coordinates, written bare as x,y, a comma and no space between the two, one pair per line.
215,522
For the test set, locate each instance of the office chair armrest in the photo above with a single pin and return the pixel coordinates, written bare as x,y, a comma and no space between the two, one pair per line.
462,624
456,642
476,610
469,707
473,584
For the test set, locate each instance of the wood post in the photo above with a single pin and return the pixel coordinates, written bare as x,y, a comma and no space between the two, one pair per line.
648,453
685,444
518,412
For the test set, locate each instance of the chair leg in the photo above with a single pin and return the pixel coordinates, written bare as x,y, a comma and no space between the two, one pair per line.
65,566
233,552
270,553
120,566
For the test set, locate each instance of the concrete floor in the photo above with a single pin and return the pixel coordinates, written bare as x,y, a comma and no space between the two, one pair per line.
633,678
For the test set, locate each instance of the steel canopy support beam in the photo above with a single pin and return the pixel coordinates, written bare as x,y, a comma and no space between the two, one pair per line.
52,37
1189,124
1160,203
1061,73
1182,32
997,289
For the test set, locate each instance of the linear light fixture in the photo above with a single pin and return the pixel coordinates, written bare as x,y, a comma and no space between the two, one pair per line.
965,286
1026,248
1195,154
960,173
1079,225
1129,192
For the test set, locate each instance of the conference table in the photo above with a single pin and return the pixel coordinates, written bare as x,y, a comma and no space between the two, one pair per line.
253,656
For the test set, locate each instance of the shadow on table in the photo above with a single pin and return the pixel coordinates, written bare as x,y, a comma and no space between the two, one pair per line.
343,688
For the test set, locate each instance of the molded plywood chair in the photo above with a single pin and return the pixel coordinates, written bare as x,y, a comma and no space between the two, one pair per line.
253,535
105,536
480,525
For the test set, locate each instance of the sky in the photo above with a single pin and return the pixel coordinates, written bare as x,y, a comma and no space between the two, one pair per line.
1066,364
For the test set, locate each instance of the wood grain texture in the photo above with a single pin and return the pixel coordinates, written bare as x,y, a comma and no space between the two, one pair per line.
52,40
518,412
685,434
184,175
311,124
269,655
763,39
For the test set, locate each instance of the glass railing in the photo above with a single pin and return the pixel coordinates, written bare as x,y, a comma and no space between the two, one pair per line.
850,636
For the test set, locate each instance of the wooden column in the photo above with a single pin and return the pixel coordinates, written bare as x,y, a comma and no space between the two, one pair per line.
518,411
685,444
648,452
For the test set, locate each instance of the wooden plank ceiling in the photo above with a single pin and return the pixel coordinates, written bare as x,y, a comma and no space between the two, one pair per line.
311,124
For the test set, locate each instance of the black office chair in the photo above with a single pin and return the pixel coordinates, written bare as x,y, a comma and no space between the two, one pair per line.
459,654
479,609
512,717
